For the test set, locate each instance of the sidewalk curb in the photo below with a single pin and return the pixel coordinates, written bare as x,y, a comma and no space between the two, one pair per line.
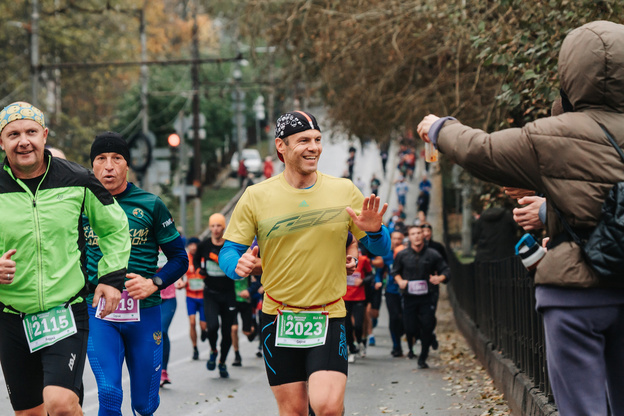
522,397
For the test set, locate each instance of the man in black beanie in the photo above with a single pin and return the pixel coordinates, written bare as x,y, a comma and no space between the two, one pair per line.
133,334
110,142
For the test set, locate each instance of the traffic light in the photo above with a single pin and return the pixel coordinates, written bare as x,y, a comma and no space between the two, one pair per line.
173,140
174,144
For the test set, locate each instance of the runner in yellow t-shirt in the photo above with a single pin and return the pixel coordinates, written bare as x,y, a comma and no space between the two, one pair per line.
301,219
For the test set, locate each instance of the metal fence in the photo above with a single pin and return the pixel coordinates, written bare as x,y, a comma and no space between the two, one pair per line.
499,297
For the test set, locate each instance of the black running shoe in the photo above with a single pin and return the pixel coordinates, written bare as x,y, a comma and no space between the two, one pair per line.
223,370
397,353
212,361
434,343
238,361
253,334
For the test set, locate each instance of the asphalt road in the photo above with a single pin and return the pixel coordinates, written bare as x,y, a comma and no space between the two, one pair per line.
377,385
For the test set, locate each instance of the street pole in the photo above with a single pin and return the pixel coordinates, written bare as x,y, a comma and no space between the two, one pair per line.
57,79
196,144
239,113
258,108
182,169
144,74
145,177
270,123
34,53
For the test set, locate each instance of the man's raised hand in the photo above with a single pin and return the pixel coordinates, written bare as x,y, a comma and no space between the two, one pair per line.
371,217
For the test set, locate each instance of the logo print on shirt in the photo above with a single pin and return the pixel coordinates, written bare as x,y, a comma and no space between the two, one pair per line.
304,204
138,212
286,224
157,337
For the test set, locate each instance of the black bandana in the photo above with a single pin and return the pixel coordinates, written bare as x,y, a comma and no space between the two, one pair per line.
295,122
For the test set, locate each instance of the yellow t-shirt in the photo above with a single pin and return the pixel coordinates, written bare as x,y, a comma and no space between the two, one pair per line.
302,236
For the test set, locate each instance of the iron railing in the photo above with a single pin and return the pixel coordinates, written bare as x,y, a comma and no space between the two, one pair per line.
499,297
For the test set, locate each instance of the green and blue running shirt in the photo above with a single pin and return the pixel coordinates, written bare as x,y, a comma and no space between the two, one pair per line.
151,225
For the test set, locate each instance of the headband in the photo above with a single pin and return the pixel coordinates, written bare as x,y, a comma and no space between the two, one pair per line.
294,122
21,110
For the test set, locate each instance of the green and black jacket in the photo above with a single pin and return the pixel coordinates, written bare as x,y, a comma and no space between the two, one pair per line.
46,230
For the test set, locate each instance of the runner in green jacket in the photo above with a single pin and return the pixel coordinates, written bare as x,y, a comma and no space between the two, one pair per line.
43,315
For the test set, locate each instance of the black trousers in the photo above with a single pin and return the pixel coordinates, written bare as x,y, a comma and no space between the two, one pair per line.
419,320
354,321
220,305
394,303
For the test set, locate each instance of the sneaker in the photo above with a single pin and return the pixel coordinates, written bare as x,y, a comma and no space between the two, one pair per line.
259,354
362,350
164,378
253,334
396,353
351,358
212,361
195,353
434,343
422,365
411,355
223,370
204,335
371,340
238,362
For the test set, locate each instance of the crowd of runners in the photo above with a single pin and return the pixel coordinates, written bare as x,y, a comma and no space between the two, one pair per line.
310,318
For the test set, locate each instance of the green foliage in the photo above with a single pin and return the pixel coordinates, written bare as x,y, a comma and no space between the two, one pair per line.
521,41
165,103
381,65
378,65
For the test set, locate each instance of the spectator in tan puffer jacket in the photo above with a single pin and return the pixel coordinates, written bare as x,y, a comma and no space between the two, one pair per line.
569,159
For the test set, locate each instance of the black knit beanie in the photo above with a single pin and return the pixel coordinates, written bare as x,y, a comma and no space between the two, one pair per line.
110,142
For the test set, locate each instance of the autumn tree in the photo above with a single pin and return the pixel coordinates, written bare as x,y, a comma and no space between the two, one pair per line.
381,65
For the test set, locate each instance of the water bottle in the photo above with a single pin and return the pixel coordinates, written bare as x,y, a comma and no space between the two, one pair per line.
529,251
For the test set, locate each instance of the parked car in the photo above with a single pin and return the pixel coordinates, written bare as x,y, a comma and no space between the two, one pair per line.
253,162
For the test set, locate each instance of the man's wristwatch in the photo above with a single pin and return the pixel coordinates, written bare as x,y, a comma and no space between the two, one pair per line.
157,281
356,261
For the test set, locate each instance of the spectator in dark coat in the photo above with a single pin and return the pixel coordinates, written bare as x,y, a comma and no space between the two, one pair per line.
495,234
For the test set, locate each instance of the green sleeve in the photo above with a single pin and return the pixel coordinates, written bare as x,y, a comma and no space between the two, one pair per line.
110,223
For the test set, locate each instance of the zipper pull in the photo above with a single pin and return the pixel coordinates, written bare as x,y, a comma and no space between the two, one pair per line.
34,203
